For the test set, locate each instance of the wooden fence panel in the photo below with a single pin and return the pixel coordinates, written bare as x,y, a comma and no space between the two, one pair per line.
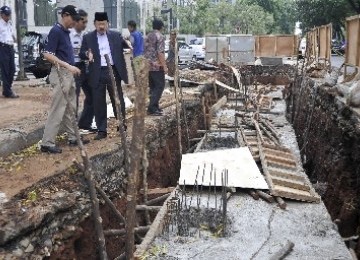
276,45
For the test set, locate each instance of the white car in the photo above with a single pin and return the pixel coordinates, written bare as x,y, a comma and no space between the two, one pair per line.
198,47
185,53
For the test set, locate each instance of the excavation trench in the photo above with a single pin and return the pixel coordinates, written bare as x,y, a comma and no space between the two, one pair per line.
328,134
62,227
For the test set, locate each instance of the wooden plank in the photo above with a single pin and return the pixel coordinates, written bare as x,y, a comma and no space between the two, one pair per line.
281,166
279,159
160,190
278,153
283,174
287,182
223,85
221,102
291,193
277,147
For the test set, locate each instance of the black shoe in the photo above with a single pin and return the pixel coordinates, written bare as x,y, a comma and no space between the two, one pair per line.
13,95
156,113
118,128
160,110
100,135
75,142
50,149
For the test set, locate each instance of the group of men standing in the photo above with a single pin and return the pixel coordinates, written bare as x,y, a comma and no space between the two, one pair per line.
79,62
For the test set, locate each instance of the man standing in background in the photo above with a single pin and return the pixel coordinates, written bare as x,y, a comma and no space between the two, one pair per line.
155,53
81,81
136,39
7,52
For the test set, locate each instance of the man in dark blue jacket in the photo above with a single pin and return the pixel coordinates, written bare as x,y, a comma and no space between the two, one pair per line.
93,48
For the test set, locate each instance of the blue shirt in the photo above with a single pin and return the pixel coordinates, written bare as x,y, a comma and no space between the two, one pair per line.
58,43
138,43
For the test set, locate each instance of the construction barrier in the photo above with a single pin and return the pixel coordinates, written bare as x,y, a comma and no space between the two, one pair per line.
318,45
276,45
217,48
352,53
242,49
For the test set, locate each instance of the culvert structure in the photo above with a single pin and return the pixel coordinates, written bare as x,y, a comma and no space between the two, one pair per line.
50,217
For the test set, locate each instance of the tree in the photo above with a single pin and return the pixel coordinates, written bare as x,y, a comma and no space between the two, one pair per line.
320,12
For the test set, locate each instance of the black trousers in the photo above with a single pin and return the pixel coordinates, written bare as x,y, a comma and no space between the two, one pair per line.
99,98
156,85
7,66
81,82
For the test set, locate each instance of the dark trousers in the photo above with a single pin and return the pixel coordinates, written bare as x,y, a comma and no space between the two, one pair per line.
99,98
7,66
88,109
156,85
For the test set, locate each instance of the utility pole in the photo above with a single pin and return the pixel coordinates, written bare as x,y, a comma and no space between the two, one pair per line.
21,74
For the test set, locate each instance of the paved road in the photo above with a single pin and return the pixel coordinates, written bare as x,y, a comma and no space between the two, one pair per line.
337,61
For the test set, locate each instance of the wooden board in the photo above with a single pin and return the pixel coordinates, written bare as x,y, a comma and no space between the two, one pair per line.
280,168
242,169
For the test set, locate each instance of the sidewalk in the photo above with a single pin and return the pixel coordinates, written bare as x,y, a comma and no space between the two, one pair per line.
22,119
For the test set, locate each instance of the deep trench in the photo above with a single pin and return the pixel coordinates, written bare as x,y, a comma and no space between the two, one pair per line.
329,138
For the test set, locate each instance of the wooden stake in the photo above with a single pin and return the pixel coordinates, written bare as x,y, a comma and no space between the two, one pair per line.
141,72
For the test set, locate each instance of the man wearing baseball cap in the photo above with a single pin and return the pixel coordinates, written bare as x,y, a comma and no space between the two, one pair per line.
58,50
7,53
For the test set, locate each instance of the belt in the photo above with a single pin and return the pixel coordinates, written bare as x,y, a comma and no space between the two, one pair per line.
106,67
2,44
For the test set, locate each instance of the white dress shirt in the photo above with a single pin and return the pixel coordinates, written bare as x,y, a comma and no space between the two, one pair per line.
6,32
76,40
104,48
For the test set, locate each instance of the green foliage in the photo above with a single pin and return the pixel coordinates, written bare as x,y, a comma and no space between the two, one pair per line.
243,16
320,12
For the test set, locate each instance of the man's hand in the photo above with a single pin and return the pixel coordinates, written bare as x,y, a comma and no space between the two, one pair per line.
74,70
90,55
166,69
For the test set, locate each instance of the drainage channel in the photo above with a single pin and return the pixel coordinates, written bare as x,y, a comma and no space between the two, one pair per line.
196,221
202,220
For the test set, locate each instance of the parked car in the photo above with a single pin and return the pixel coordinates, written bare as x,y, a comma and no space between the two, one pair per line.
337,46
185,52
34,62
198,47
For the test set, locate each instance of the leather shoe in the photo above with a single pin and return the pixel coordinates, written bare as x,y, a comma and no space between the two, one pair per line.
155,113
100,135
75,142
50,149
13,95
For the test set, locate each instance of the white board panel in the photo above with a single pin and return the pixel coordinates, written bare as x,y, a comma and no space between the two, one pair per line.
242,169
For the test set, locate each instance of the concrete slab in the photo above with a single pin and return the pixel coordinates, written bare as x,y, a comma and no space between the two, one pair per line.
258,230
242,169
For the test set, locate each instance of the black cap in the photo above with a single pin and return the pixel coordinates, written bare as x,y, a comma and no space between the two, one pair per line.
71,10
5,10
101,16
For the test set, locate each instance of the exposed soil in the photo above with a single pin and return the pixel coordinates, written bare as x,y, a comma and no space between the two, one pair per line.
328,135
163,171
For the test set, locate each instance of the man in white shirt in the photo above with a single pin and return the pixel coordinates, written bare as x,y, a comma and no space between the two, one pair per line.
81,81
7,53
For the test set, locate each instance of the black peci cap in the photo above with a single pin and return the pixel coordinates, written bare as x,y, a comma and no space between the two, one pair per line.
101,16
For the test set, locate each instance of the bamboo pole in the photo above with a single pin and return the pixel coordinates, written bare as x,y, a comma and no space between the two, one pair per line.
176,84
137,150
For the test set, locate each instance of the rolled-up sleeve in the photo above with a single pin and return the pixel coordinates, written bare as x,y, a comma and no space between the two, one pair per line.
52,42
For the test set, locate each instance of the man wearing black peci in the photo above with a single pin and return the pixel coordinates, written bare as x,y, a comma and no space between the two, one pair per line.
93,48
